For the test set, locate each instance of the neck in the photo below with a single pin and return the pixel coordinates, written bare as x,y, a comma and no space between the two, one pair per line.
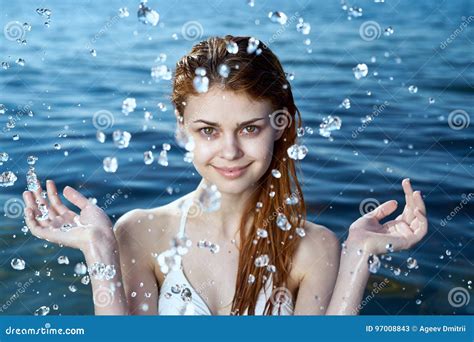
226,220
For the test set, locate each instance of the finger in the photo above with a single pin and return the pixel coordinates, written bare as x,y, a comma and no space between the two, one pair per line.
408,213
39,199
54,199
383,210
34,226
422,227
30,202
419,202
29,199
75,197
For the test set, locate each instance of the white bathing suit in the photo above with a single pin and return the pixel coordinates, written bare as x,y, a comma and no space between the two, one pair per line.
171,302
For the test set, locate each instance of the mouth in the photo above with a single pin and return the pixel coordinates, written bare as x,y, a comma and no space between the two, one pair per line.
232,172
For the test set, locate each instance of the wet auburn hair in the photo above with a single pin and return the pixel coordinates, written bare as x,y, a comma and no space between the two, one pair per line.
259,75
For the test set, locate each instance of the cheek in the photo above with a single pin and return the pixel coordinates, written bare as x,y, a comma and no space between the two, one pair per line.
260,148
203,153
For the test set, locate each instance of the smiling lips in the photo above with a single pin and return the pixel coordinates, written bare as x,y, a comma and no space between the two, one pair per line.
231,172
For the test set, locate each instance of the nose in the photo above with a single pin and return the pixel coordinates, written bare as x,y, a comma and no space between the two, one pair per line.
231,149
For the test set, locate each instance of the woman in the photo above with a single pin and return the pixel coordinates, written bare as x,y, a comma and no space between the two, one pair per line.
256,252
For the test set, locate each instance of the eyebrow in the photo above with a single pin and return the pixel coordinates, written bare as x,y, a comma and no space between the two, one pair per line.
218,125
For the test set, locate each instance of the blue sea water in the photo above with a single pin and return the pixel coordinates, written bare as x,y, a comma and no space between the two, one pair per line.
63,84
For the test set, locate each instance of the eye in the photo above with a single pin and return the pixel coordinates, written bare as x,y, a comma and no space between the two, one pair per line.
207,130
252,129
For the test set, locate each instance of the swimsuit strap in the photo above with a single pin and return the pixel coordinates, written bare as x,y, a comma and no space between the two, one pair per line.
185,205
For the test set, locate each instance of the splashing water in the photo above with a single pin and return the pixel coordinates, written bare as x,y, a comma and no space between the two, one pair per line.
329,124
147,15
297,152
360,71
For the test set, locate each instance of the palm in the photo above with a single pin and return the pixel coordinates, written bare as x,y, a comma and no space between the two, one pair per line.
63,225
403,232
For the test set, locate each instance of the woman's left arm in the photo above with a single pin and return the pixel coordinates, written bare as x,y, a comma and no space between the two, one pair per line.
366,236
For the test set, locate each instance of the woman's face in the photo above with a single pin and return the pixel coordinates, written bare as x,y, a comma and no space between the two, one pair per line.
233,138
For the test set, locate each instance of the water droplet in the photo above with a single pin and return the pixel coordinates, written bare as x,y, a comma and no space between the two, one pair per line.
18,264
100,136
297,152
282,222
121,138
360,70
346,103
278,17
276,173
413,89
123,12
223,70
411,263
232,47
80,268
148,157
300,232
329,124
374,263
262,233
262,260
7,178
388,31
252,45
303,27
201,84
63,260
146,15
186,294
129,105
42,311
110,164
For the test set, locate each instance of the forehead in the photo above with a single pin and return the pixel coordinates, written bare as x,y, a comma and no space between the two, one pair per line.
225,107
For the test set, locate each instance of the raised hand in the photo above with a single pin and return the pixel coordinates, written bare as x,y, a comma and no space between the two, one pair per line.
62,225
402,233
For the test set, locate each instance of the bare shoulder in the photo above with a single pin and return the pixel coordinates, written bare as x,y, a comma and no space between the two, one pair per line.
319,248
148,224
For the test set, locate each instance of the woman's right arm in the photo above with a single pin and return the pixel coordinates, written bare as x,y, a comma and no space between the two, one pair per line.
91,232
